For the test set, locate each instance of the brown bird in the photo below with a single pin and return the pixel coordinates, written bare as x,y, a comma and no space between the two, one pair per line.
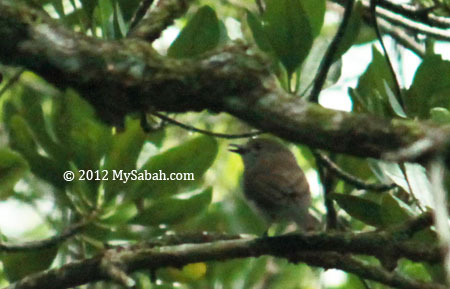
274,183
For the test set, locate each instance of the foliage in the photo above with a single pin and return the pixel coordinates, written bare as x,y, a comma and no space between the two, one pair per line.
50,131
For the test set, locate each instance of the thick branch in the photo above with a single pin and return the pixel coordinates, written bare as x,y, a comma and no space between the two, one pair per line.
121,77
318,250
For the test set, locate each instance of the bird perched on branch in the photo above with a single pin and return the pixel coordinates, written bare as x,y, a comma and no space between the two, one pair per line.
274,183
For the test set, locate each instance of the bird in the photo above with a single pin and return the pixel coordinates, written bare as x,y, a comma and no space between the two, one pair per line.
274,184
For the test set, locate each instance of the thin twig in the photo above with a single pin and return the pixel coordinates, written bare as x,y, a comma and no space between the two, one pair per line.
422,15
260,6
140,12
156,20
402,38
328,59
11,81
408,182
363,270
47,243
350,179
416,27
327,183
205,132
400,20
407,229
373,13
364,282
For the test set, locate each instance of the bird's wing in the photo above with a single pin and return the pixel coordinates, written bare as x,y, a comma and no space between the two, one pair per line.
280,189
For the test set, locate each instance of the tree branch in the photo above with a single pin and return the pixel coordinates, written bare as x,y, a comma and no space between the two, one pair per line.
416,27
422,15
320,250
126,76
206,132
11,81
47,243
387,12
375,273
329,56
350,179
156,20
327,181
402,38
140,12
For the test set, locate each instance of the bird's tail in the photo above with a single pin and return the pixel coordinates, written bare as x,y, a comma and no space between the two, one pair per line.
312,223
308,222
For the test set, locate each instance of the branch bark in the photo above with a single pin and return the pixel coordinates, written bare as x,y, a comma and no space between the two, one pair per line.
322,250
126,76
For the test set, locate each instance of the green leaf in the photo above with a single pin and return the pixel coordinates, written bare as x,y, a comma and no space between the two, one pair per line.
352,31
120,214
34,116
440,115
291,275
416,179
128,8
85,139
224,38
420,185
334,74
312,64
89,6
22,140
194,156
392,212
366,34
414,270
21,264
126,148
315,9
436,271
357,166
12,168
120,28
90,141
393,101
429,88
258,33
387,171
289,32
59,7
83,190
370,94
364,210
21,137
104,11
173,210
202,33
9,110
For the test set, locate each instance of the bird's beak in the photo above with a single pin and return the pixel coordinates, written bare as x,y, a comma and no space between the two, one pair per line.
236,148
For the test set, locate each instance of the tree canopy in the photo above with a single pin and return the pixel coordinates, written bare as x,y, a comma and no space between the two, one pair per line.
116,116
